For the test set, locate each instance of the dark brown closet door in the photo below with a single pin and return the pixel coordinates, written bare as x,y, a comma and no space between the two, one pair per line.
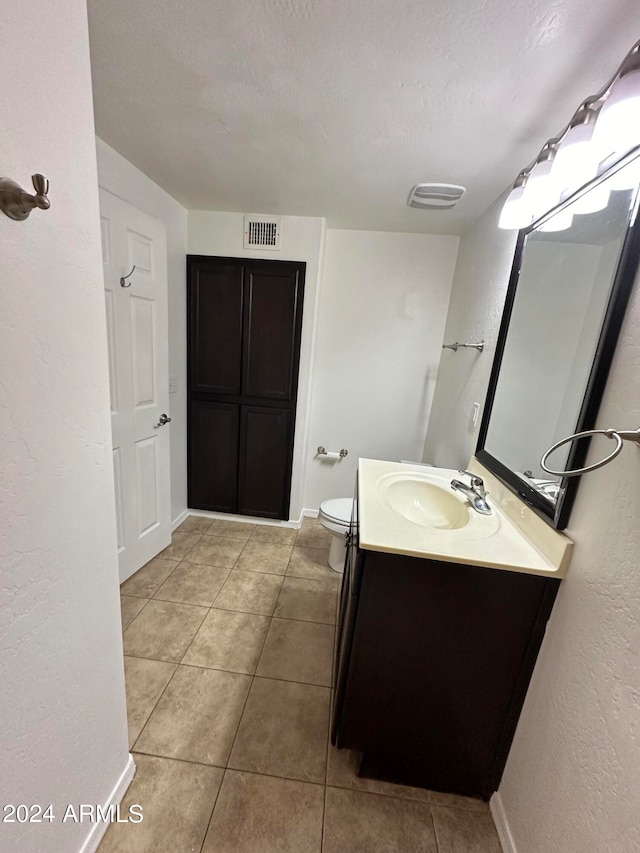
214,430
244,331
215,320
264,462
271,298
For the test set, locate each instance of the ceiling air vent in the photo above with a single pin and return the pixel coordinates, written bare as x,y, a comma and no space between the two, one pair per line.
435,196
262,232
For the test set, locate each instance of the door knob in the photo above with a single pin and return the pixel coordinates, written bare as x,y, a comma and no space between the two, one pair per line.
162,420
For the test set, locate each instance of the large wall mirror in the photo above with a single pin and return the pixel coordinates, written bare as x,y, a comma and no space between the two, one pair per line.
572,275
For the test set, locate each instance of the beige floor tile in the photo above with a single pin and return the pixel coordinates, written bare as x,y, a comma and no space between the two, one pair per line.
193,584
264,557
342,767
232,529
216,551
176,799
298,651
458,802
313,535
277,535
181,544
145,680
163,630
311,563
129,609
283,731
149,578
195,524
197,717
357,822
228,640
307,600
260,814
249,592
465,831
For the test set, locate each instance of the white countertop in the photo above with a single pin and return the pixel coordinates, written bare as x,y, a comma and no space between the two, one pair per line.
511,540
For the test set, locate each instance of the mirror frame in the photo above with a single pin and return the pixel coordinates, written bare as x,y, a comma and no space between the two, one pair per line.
624,278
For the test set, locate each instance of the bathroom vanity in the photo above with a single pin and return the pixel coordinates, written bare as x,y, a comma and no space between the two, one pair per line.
442,614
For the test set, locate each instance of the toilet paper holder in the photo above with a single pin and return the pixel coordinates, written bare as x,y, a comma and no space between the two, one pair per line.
324,452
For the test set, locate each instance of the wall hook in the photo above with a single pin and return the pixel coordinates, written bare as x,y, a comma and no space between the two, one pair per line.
16,203
125,277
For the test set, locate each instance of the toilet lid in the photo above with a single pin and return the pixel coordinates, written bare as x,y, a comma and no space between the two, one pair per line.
337,509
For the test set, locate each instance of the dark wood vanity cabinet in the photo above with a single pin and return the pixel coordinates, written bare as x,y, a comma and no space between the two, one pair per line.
433,661
244,331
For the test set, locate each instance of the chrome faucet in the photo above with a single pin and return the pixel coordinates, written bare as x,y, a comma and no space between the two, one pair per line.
475,493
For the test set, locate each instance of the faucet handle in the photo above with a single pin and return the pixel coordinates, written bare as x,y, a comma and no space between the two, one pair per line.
472,476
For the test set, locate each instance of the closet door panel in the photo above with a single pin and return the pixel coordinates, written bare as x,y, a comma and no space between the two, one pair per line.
213,455
215,326
265,464
272,331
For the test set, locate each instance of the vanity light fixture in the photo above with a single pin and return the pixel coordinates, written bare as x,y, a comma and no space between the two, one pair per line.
596,199
515,214
541,192
604,124
558,222
616,130
576,160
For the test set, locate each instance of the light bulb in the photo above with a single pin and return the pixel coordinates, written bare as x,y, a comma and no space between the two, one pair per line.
576,161
558,222
515,214
541,192
627,178
595,199
618,126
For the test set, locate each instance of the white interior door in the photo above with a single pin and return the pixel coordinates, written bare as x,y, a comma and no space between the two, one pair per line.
139,378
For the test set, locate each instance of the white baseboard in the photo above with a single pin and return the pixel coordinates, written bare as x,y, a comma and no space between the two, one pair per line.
309,513
243,519
178,521
502,824
98,830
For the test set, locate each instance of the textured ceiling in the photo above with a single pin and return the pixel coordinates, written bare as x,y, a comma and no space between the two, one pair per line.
337,107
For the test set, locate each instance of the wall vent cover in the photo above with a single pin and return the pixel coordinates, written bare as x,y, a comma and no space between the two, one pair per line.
435,196
262,232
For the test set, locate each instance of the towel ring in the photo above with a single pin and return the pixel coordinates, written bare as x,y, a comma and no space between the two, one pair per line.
610,433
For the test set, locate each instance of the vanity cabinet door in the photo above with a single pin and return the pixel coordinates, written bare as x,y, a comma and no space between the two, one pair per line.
345,632
441,658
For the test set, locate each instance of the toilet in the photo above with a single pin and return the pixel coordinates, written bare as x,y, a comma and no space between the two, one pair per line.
335,515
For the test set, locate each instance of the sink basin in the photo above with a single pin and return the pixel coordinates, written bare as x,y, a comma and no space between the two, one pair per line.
424,502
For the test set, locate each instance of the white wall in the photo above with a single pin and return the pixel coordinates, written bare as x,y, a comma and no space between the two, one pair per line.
63,731
220,233
381,321
121,178
477,299
572,778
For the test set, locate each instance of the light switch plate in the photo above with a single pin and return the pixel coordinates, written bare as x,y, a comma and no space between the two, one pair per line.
172,385
475,412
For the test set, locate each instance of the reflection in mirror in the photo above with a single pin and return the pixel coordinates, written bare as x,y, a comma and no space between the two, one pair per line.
568,267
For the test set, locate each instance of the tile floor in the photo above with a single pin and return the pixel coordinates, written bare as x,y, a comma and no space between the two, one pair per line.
228,640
